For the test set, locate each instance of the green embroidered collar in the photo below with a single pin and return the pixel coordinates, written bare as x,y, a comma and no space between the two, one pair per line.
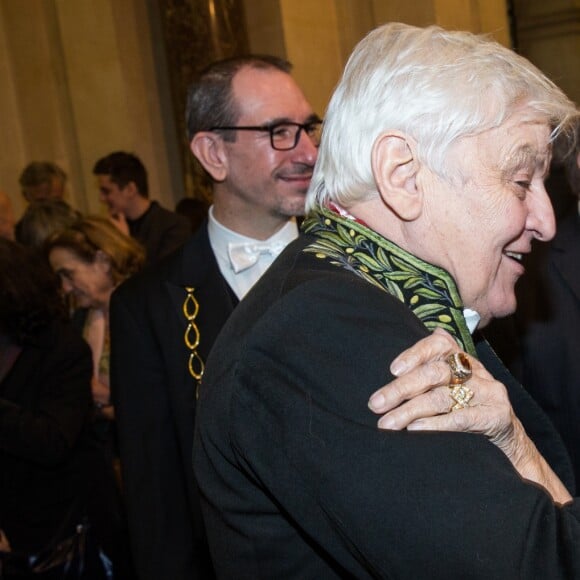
427,290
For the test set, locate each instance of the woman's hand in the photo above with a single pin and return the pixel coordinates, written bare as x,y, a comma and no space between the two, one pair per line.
419,399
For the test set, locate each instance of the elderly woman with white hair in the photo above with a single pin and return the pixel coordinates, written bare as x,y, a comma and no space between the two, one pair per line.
427,193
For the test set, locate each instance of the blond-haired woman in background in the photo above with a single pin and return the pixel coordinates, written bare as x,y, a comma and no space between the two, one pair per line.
92,257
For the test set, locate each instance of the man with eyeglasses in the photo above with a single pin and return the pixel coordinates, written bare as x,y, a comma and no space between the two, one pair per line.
256,136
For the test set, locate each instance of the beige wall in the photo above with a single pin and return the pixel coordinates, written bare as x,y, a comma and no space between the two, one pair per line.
313,45
549,35
82,78
78,83
29,93
319,36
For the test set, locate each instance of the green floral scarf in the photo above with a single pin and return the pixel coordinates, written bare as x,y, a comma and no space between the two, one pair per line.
427,290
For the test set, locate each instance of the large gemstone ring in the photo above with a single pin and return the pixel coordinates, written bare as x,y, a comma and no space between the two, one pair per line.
460,368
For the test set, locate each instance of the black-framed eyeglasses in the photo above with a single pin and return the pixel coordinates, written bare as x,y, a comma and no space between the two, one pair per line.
284,136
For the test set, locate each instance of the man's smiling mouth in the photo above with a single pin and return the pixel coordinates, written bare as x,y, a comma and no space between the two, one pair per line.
518,257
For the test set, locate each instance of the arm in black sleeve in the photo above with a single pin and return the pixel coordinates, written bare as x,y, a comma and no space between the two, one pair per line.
381,503
41,420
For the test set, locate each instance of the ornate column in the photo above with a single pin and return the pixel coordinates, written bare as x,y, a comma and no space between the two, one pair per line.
197,32
548,33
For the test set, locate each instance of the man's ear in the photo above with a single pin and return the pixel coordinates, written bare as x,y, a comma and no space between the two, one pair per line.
209,150
395,166
131,189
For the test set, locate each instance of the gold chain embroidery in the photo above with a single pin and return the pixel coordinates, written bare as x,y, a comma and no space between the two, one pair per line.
191,337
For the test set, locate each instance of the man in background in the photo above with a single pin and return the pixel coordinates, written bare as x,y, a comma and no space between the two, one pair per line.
123,186
255,134
42,180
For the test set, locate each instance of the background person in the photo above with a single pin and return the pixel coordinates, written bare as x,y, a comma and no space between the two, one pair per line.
51,478
42,180
259,185
42,219
92,257
427,190
124,188
195,210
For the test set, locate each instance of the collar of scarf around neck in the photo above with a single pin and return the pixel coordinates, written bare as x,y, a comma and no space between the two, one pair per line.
429,291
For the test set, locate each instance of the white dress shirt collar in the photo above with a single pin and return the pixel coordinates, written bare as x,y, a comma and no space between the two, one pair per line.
472,319
220,237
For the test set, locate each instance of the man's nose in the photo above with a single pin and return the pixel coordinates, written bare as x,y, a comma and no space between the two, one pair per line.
306,149
541,218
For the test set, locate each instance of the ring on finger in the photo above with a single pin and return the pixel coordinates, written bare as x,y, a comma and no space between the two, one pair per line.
460,396
460,368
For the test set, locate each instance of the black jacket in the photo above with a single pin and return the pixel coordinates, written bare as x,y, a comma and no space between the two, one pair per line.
160,230
297,481
45,414
154,397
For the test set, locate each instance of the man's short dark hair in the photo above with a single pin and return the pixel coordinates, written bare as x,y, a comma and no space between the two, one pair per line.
209,99
122,168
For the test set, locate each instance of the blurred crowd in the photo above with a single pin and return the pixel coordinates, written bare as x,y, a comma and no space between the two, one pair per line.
60,474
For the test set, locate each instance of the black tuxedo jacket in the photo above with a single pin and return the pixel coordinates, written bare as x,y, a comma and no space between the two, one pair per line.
297,481
154,396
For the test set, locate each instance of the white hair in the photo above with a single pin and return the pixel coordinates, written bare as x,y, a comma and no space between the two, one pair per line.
436,86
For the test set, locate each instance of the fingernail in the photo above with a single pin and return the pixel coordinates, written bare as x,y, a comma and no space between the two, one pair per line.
376,402
398,367
386,422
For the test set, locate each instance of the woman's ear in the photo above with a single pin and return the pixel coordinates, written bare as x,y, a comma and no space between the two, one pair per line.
395,166
209,150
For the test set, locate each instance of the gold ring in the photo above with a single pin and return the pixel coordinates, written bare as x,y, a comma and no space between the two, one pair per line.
460,368
460,395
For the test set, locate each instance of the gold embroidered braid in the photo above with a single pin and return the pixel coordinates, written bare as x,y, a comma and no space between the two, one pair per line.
191,337
430,292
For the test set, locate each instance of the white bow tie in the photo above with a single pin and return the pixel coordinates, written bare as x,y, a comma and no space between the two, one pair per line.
246,254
